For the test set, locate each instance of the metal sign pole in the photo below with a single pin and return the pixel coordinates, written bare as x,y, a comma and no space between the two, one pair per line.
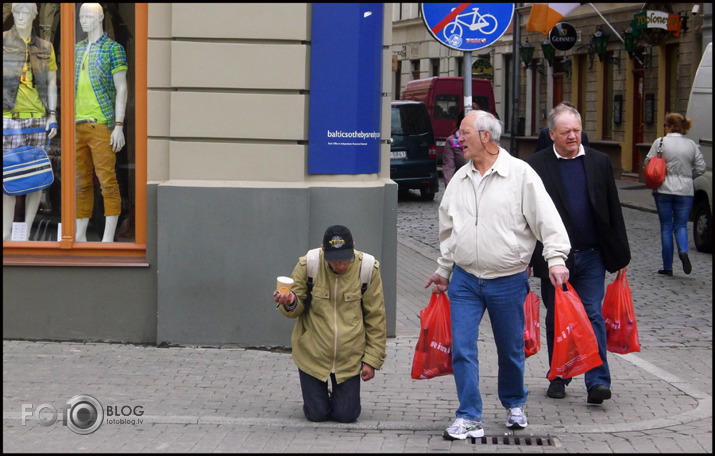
515,85
467,82
468,27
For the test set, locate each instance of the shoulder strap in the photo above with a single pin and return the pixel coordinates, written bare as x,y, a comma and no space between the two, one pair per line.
312,259
29,131
660,147
22,131
368,262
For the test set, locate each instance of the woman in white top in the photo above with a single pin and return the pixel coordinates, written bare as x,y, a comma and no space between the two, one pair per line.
673,199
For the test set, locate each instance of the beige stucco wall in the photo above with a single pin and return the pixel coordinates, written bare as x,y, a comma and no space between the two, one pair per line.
230,90
234,90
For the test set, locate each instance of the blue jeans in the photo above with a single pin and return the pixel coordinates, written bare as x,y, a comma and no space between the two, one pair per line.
673,211
343,405
504,299
587,277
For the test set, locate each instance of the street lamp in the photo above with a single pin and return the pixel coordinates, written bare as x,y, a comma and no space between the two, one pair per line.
631,38
631,42
527,52
600,43
549,51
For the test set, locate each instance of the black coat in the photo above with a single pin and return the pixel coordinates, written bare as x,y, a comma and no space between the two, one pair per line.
606,207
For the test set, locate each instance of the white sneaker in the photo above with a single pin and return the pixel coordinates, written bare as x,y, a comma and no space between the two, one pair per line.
515,418
462,428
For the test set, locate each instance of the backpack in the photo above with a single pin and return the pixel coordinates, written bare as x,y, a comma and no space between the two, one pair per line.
313,259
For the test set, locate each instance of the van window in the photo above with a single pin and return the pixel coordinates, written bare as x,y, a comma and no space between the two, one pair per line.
482,102
446,106
410,120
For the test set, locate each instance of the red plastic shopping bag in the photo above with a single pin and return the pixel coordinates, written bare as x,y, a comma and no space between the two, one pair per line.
532,335
621,328
575,344
433,354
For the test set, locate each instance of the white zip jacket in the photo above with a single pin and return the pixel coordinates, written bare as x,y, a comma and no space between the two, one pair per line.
497,238
683,161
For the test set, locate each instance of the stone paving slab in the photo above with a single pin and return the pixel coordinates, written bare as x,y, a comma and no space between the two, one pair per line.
197,399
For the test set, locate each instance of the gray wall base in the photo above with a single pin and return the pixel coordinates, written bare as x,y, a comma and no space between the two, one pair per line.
221,248
112,304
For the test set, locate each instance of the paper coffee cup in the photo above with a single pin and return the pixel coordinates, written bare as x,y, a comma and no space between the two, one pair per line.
284,284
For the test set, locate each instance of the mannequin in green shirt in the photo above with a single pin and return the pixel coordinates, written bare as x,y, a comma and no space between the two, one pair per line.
100,107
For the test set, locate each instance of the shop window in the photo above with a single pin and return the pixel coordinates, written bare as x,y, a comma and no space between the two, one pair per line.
582,88
507,84
607,84
77,74
415,69
671,79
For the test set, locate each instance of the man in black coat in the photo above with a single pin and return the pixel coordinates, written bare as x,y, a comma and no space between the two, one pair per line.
545,140
581,184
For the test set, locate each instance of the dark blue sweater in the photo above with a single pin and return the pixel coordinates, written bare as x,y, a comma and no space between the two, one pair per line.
573,176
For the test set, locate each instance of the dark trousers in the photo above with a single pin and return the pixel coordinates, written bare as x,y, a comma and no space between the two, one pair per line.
343,405
587,277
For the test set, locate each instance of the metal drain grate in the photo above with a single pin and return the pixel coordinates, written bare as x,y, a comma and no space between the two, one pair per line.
532,440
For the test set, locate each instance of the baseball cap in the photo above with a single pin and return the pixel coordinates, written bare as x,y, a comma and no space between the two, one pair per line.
338,244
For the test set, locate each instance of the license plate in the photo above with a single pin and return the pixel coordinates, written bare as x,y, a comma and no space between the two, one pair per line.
440,143
398,154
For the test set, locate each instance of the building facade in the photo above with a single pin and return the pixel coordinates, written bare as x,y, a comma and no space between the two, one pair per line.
217,194
623,97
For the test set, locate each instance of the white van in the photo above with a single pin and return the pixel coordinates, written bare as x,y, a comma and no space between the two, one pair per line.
700,110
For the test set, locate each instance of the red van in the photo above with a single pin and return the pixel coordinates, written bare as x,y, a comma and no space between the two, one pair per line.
444,97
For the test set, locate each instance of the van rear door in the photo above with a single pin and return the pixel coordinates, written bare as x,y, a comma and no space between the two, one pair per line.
411,132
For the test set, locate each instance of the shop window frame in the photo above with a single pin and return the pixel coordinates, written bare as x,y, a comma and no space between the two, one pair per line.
68,252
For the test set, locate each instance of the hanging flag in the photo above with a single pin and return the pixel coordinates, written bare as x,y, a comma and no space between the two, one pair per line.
544,16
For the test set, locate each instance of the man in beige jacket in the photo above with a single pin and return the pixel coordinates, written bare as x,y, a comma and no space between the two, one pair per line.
491,215
341,334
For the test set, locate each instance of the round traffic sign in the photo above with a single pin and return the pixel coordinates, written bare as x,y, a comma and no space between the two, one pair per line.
467,26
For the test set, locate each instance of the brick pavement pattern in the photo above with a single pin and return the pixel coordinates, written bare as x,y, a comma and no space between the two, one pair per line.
198,399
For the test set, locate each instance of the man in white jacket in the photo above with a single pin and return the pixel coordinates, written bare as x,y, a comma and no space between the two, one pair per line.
491,215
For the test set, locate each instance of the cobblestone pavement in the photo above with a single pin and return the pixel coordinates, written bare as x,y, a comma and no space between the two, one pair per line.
196,399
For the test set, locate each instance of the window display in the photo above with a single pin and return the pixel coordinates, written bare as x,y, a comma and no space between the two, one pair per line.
29,104
103,159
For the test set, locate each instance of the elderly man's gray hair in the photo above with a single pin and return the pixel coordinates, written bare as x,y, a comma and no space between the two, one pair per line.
485,121
562,108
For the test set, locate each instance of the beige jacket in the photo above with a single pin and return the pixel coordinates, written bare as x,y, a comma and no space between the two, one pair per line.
497,237
337,334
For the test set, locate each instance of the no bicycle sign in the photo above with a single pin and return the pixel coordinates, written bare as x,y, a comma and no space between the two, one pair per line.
467,26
